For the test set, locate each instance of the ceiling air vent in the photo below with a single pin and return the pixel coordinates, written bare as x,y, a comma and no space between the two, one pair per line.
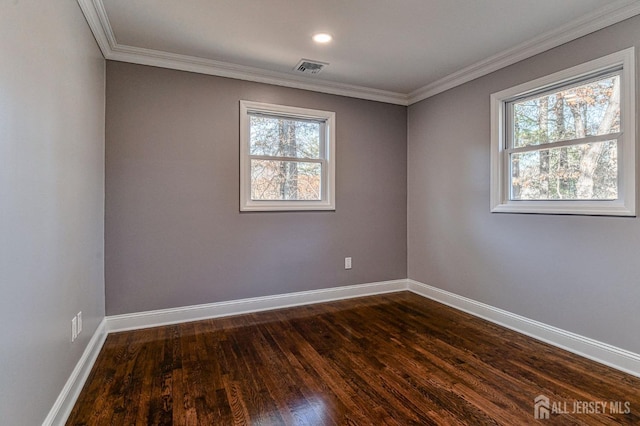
307,66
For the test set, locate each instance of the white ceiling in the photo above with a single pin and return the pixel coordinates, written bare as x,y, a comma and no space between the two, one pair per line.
397,51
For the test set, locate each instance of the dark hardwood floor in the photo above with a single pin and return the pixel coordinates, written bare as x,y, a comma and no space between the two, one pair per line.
395,359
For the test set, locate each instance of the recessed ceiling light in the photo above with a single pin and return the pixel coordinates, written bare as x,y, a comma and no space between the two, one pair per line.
322,38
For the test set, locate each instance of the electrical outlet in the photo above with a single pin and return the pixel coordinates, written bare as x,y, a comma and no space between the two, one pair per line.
347,263
74,329
79,316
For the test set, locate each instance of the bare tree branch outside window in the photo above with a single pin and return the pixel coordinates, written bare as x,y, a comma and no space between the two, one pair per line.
288,166
584,170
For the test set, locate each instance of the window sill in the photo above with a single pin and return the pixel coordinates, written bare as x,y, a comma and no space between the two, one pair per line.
584,208
268,206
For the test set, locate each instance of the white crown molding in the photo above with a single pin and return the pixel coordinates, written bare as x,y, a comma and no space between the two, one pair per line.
61,409
161,59
603,353
98,21
601,18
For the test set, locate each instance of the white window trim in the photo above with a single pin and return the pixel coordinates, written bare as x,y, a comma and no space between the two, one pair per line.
625,205
327,202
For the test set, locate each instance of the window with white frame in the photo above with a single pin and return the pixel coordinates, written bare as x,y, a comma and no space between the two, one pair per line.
287,158
565,143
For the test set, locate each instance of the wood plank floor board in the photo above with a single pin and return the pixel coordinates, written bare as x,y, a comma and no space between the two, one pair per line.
310,383
393,359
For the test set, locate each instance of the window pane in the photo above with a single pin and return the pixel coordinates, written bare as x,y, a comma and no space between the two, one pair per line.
588,110
285,180
284,137
577,172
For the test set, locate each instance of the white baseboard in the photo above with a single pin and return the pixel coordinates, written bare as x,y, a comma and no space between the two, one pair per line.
603,353
61,409
243,306
606,354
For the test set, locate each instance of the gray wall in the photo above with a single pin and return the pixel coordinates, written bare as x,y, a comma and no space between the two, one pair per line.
51,200
577,273
174,235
